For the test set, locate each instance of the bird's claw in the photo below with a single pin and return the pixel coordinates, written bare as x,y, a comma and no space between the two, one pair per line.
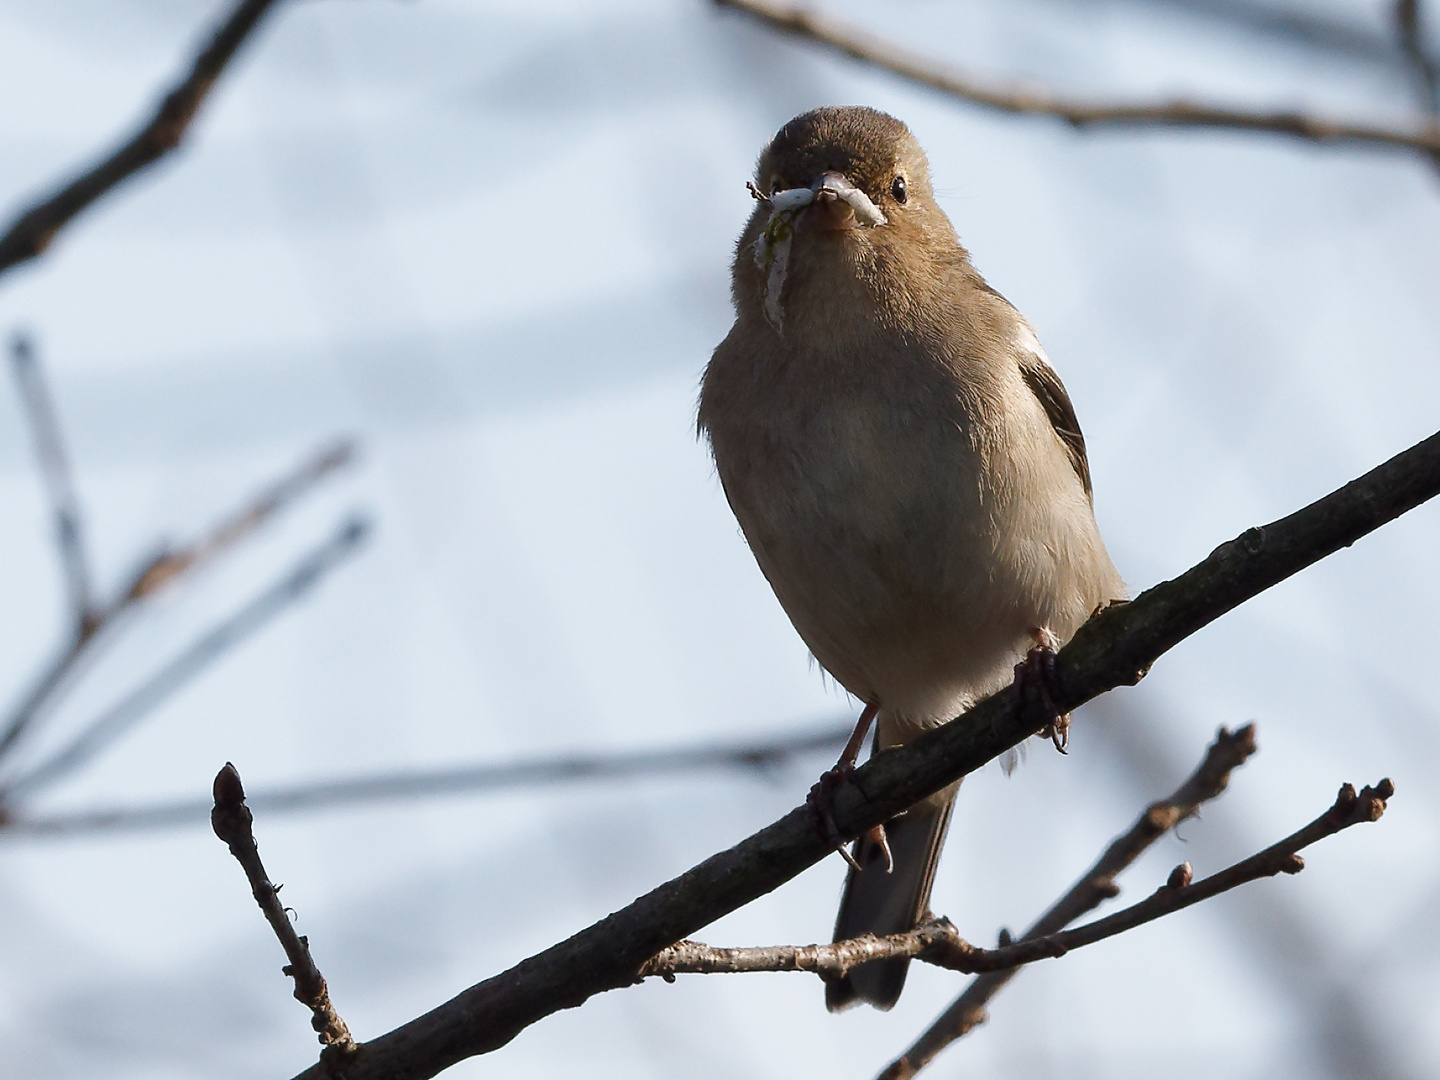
1058,731
877,837
821,804
1038,676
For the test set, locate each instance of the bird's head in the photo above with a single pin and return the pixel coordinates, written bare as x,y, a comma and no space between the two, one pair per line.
841,192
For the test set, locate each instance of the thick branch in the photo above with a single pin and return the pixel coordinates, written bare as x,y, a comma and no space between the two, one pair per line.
861,45
1096,885
936,942
231,820
31,233
1115,648
429,783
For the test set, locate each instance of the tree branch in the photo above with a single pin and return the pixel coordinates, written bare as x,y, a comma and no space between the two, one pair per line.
159,572
936,942
1115,648
861,45
231,819
426,783
167,566
123,715
31,232
59,483
1096,885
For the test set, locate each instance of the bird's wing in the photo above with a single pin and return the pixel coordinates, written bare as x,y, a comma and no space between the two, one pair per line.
1045,384
1050,391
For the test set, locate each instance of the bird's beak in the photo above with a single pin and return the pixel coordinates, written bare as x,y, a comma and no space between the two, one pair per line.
841,205
838,204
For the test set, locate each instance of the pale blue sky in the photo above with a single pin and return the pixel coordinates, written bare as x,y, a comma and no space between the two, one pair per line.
492,241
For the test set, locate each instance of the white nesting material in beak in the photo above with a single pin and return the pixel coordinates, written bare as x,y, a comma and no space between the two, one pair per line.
772,249
791,199
866,212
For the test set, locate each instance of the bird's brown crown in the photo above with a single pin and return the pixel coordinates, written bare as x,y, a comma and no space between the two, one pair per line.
870,148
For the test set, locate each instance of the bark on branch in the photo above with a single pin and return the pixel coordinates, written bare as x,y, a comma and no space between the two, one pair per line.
1115,648
861,45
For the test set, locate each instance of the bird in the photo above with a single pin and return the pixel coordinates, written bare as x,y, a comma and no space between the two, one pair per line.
907,469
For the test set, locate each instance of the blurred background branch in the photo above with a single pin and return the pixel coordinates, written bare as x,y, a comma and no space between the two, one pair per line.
140,702
94,623
860,44
54,466
409,784
32,232
156,572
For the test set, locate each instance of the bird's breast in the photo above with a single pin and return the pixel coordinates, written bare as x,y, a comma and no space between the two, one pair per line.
866,508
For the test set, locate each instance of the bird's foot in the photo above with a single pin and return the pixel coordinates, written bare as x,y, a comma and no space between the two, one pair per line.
821,804
821,800
1036,676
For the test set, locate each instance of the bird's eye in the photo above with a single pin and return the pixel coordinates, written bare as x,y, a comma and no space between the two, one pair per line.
897,189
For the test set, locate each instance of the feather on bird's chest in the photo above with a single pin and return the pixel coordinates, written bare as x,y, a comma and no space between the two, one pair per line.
863,473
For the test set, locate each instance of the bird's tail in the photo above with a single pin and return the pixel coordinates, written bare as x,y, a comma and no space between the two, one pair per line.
892,903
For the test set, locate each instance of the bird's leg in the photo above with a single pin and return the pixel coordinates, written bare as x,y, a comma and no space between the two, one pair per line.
1037,674
821,799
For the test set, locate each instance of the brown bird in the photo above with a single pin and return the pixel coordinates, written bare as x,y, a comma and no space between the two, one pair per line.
907,469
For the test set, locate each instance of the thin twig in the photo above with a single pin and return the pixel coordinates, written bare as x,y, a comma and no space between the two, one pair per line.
1114,648
125,713
31,232
936,942
166,567
1276,927
430,783
158,572
231,820
864,46
1229,751
1180,892
59,483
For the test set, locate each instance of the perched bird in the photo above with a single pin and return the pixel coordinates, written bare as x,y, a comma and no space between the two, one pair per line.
906,467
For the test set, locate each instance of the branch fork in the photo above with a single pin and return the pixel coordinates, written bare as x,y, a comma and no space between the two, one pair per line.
937,942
